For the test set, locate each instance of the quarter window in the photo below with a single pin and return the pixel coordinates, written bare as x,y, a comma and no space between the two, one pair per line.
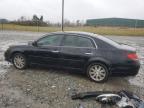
77,41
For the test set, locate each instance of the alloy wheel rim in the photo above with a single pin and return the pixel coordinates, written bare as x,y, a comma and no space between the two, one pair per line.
97,72
19,61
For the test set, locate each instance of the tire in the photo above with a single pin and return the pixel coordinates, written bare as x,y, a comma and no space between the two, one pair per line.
98,72
19,61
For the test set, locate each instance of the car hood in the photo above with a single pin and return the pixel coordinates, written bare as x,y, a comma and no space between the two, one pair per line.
20,45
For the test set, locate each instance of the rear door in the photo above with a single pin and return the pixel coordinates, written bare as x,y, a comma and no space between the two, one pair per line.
75,51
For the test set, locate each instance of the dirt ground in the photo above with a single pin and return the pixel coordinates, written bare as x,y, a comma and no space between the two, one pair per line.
48,88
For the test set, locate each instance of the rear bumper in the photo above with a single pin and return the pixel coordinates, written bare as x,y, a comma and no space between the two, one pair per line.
131,69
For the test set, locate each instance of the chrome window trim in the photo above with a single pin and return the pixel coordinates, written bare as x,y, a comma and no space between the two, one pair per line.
94,42
73,34
44,46
85,36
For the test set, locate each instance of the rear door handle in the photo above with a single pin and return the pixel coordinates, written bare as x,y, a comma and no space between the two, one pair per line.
55,51
89,53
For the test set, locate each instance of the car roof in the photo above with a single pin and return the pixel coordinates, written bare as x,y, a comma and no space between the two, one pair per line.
76,33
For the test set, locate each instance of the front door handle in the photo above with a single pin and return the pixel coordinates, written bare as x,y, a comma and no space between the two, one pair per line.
55,51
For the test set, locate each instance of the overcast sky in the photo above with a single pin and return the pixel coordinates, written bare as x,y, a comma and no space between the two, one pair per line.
74,9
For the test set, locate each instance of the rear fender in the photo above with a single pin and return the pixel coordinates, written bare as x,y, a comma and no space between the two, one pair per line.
105,62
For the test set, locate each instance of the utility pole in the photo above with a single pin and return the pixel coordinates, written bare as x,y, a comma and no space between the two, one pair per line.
2,25
62,25
136,21
38,25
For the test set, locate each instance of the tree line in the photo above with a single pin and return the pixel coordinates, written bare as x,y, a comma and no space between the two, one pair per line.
39,21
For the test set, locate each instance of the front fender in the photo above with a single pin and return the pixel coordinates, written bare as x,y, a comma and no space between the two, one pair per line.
11,51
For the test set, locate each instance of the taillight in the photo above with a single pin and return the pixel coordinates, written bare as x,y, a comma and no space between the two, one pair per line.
132,56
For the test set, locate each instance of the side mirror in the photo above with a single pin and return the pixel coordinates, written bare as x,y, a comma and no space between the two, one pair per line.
34,43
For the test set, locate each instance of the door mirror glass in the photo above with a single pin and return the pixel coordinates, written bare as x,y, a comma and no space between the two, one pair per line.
34,43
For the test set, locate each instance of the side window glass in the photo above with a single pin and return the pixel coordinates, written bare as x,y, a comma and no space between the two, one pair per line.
53,40
69,41
77,41
84,42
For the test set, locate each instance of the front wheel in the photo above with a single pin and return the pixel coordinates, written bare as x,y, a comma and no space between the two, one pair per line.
97,72
19,61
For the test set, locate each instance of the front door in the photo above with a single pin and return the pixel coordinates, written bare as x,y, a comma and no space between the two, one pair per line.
47,51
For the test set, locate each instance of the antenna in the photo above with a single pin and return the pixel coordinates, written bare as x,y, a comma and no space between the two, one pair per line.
62,25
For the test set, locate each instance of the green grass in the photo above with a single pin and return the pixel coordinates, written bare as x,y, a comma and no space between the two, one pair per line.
98,30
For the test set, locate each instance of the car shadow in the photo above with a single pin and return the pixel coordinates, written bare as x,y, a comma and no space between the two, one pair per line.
60,71
112,81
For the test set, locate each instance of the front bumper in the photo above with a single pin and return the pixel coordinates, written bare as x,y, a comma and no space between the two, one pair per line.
7,55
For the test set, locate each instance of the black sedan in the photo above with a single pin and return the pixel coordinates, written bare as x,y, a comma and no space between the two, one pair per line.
95,55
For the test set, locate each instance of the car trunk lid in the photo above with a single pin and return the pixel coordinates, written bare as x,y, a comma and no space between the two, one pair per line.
130,51
127,48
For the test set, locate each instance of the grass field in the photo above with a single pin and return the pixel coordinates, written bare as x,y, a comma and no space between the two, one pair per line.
99,30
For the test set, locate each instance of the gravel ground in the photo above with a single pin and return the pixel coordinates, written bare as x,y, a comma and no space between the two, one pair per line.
47,88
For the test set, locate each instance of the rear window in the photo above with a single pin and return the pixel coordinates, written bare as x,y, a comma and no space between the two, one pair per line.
109,41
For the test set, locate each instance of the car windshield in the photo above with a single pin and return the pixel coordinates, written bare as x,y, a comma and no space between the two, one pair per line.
109,41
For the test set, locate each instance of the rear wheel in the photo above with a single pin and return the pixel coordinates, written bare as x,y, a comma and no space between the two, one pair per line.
97,72
19,61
